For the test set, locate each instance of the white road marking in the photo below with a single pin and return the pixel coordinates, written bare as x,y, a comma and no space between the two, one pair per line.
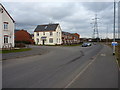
81,71
103,54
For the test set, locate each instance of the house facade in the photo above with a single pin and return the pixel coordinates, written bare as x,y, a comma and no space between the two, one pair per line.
23,36
48,34
70,38
6,29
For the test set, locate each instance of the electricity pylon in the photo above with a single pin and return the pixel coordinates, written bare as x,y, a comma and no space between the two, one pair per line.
95,28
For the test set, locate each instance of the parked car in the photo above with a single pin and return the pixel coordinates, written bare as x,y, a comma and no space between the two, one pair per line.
84,44
89,44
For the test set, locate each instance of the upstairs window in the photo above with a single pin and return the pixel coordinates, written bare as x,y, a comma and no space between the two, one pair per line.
5,25
37,33
51,33
43,33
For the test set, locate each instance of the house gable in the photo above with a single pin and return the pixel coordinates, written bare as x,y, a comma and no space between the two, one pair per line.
6,12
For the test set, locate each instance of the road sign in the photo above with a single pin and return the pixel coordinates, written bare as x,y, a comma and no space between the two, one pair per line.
114,43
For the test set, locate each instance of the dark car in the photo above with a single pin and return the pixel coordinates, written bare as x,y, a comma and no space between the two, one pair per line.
84,45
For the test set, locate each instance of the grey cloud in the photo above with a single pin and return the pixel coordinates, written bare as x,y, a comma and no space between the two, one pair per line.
73,17
97,6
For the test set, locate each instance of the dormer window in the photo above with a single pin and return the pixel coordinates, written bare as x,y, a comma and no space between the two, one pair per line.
45,27
5,25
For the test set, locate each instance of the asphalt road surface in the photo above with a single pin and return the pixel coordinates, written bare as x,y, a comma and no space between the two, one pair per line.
63,67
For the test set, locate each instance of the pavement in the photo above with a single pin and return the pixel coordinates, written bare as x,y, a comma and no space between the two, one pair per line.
63,67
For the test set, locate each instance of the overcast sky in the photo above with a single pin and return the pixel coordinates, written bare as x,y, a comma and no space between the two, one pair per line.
74,17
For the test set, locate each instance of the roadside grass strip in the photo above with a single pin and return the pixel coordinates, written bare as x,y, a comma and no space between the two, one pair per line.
71,45
15,50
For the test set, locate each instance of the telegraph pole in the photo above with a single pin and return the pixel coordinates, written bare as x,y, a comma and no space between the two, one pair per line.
107,35
119,20
114,28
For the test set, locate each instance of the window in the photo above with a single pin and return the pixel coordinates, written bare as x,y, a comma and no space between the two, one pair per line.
51,33
37,40
45,27
43,33
57,40
51,40
5,39
5,25
37,33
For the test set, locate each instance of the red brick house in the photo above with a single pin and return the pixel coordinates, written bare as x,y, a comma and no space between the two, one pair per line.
23,36
70,38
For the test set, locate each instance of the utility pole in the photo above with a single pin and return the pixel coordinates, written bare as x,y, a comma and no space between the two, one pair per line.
95,28
107,35
119,20
114,28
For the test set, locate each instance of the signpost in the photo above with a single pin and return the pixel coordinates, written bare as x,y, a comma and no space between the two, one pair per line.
114,43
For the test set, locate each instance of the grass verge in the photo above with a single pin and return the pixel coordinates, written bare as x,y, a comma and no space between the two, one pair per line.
71,45
117,52
62,45
15,50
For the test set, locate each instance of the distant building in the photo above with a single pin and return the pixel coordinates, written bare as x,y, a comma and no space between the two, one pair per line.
48,34
23,36
70,38
6,29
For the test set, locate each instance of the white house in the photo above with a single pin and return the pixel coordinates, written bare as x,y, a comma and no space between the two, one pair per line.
6,29
49,34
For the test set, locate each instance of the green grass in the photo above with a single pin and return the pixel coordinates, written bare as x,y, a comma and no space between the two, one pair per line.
16,50
71,45
62,45
118,54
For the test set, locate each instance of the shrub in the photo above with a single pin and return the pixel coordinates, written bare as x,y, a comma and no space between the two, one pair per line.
19,45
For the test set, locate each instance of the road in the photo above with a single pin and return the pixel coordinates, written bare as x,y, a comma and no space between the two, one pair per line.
63,67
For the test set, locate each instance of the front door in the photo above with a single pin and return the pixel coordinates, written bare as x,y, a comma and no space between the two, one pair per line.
43,42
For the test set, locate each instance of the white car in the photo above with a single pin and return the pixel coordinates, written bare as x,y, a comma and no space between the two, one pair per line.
89,44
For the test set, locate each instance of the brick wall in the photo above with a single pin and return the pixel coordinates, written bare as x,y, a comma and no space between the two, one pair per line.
23,35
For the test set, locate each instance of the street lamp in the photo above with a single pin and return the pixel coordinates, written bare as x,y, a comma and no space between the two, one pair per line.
114,28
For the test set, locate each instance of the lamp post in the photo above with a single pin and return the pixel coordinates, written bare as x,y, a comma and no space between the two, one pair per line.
114,28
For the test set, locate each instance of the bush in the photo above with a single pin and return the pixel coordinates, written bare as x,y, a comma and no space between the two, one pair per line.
25,42
19,45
